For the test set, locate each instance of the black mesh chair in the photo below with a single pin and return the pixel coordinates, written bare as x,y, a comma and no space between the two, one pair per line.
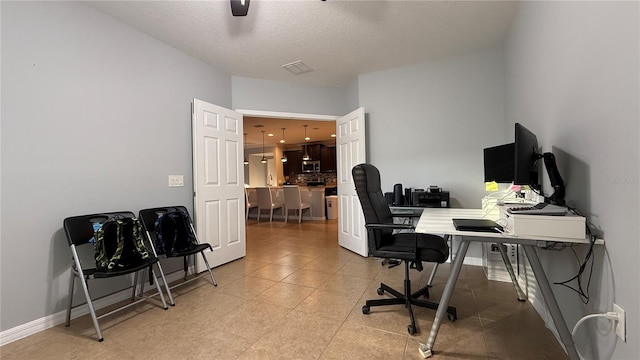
80,234
384,242
148,217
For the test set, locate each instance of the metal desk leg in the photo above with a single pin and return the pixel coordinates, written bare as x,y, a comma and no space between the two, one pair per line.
426,349
550,301
514,280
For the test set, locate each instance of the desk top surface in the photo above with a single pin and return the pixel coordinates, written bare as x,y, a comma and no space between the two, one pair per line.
439,221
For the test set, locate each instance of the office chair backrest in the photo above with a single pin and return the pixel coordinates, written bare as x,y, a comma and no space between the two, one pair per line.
374,205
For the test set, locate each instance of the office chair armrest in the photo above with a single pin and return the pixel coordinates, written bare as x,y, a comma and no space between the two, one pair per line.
389,226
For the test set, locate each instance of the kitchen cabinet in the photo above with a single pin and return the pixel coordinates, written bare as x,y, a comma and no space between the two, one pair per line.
293,165
328,159
313,150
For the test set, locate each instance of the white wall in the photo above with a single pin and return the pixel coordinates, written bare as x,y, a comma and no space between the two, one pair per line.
352,96
573,79
95,115
428,123
268,95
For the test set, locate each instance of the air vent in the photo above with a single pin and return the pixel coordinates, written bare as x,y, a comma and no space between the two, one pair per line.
297,67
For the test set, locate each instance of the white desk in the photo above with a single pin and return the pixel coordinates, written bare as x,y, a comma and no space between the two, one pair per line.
439,221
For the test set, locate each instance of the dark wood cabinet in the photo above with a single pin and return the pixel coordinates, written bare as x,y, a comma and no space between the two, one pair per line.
293,165
325,154
313,150
328,159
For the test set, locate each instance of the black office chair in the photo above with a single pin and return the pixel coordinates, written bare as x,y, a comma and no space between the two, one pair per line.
409,247
80,235
148,218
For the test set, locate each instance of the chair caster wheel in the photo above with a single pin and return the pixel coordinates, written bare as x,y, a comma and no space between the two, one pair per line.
411,329
365,310
380,291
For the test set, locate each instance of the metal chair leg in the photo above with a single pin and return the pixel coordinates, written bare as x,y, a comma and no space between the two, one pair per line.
71,286
433,274
206,262
135,286
166,285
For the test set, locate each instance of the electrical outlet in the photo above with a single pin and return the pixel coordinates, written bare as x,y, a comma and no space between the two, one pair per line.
176,180
621,330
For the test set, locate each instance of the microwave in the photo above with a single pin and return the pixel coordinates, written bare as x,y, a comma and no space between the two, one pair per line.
311,166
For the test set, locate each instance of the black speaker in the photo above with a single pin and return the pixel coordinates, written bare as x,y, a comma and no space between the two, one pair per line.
389,197
397,195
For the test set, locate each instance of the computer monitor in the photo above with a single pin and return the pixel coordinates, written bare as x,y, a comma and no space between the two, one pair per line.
525,160
498,163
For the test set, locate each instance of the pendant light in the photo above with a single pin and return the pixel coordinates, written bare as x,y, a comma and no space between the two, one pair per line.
306,156
284,156
246,162
264,158
306,138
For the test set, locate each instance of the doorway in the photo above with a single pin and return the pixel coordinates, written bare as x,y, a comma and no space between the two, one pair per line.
274,146
350,134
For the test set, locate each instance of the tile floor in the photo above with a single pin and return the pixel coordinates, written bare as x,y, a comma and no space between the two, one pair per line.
298,295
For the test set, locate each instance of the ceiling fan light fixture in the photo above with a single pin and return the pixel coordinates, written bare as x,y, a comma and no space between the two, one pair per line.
239,7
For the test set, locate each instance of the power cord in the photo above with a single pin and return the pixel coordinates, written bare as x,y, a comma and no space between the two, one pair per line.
608,315
583,293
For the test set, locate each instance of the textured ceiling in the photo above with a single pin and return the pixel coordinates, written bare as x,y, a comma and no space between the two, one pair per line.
338,39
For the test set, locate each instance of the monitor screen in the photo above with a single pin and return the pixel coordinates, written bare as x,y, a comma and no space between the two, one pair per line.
525,158
498,163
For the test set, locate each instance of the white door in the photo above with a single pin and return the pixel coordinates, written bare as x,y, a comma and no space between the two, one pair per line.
218,182
350,145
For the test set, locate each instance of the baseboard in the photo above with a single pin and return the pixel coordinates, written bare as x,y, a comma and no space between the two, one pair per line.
49,321
470,260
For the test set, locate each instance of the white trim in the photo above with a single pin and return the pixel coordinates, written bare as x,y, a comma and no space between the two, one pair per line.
287,115
49,321
472,260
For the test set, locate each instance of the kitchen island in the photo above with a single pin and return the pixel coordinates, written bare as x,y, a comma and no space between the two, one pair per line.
314,195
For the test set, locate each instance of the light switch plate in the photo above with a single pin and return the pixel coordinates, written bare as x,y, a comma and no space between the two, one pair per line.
176,180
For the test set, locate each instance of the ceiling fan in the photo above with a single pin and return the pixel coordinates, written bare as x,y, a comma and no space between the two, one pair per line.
239,7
